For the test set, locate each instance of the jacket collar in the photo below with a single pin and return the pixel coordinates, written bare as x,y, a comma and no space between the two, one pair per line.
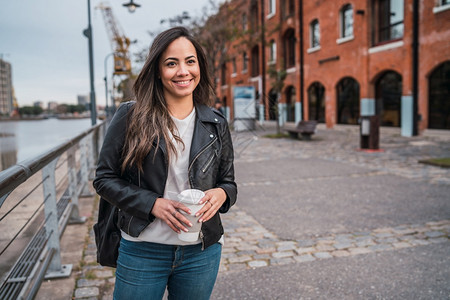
206,114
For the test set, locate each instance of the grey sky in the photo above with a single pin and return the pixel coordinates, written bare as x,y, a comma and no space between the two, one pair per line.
44,43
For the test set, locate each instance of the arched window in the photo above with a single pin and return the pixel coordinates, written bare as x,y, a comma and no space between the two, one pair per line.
388,94
289,48
347,101
273,51
316,102
314,33
439,97
290,103
346,21
255,61
273,104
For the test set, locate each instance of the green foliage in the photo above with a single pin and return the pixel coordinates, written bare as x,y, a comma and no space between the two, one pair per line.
30,110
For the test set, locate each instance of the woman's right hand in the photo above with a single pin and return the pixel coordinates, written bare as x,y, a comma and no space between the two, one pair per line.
167,210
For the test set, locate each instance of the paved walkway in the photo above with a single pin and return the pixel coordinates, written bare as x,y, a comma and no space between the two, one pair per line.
266,239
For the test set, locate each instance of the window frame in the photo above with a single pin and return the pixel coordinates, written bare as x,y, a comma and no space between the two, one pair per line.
312,38
383,27
342,15
272,51
244,62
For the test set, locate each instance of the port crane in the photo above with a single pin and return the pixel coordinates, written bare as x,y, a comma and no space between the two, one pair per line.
119,42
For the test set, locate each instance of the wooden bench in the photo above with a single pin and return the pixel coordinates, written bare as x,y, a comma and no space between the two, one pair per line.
305,128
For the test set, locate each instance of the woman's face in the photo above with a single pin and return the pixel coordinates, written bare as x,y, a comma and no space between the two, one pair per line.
179,70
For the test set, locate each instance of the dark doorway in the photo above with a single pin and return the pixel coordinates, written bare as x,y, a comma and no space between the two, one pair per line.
388,94
348,101
290,104
273,105
316,102
439,98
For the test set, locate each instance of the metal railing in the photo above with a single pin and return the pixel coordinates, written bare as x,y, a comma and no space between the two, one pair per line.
45,204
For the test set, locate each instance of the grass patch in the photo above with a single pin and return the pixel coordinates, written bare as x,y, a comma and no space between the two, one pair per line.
439,162
276,136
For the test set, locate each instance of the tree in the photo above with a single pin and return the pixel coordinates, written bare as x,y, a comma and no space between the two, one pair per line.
30,110
277,84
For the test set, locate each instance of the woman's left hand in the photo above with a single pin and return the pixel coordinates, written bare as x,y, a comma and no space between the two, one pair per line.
214,198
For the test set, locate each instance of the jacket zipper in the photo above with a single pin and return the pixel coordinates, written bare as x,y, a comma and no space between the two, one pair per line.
208,163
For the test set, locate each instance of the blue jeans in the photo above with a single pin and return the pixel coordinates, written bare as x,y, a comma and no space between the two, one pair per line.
144,270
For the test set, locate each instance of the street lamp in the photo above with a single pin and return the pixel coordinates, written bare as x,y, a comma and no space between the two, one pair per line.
131,6
106,85
88,33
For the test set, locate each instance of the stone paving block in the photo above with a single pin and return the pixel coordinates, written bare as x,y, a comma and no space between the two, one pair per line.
360,250
246,252
86,292
287,247
301,251
324,248
387,241
103,273
401,245
265,250
89,282
258,264
341,246
439,240
304,258
281,261
323,255
380,247
418,242
306,243
262,256
239,259
283,254
434,234
383,234
340,253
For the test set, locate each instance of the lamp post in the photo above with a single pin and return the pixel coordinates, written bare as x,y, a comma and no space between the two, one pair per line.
88,33
131,6
106,85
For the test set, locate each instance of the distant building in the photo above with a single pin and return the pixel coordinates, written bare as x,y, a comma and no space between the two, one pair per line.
38,104
52,105
6,88
343,59
83,100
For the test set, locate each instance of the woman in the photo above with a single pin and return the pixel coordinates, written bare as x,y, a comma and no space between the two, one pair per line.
167,141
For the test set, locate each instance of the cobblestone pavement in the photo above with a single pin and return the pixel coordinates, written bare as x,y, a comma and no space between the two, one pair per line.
249,245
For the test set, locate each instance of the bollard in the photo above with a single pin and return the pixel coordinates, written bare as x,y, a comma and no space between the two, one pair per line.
55,269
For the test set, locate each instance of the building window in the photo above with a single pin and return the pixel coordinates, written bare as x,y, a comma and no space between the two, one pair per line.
255,61
444,2
272,7
244,62
244,22
388,20
233,64
289,48
287,8
441,5
314,33
254,16
224,74
273,51
346,17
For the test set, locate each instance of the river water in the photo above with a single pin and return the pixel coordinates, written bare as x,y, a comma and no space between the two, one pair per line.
21,140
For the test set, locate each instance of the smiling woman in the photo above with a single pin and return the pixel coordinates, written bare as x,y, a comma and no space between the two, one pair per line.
168,141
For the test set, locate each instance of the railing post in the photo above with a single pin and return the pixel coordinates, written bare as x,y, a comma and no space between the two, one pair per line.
55,269
84,165
73,193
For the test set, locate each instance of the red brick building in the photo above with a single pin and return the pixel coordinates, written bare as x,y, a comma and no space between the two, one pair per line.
343,59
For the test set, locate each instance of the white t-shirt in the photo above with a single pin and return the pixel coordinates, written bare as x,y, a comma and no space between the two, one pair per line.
177,180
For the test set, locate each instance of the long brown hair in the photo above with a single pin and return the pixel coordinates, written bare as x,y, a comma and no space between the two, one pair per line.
149,118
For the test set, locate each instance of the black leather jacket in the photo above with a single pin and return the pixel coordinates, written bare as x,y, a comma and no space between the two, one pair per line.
134,193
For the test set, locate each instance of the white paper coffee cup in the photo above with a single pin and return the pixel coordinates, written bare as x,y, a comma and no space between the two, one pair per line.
190,199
